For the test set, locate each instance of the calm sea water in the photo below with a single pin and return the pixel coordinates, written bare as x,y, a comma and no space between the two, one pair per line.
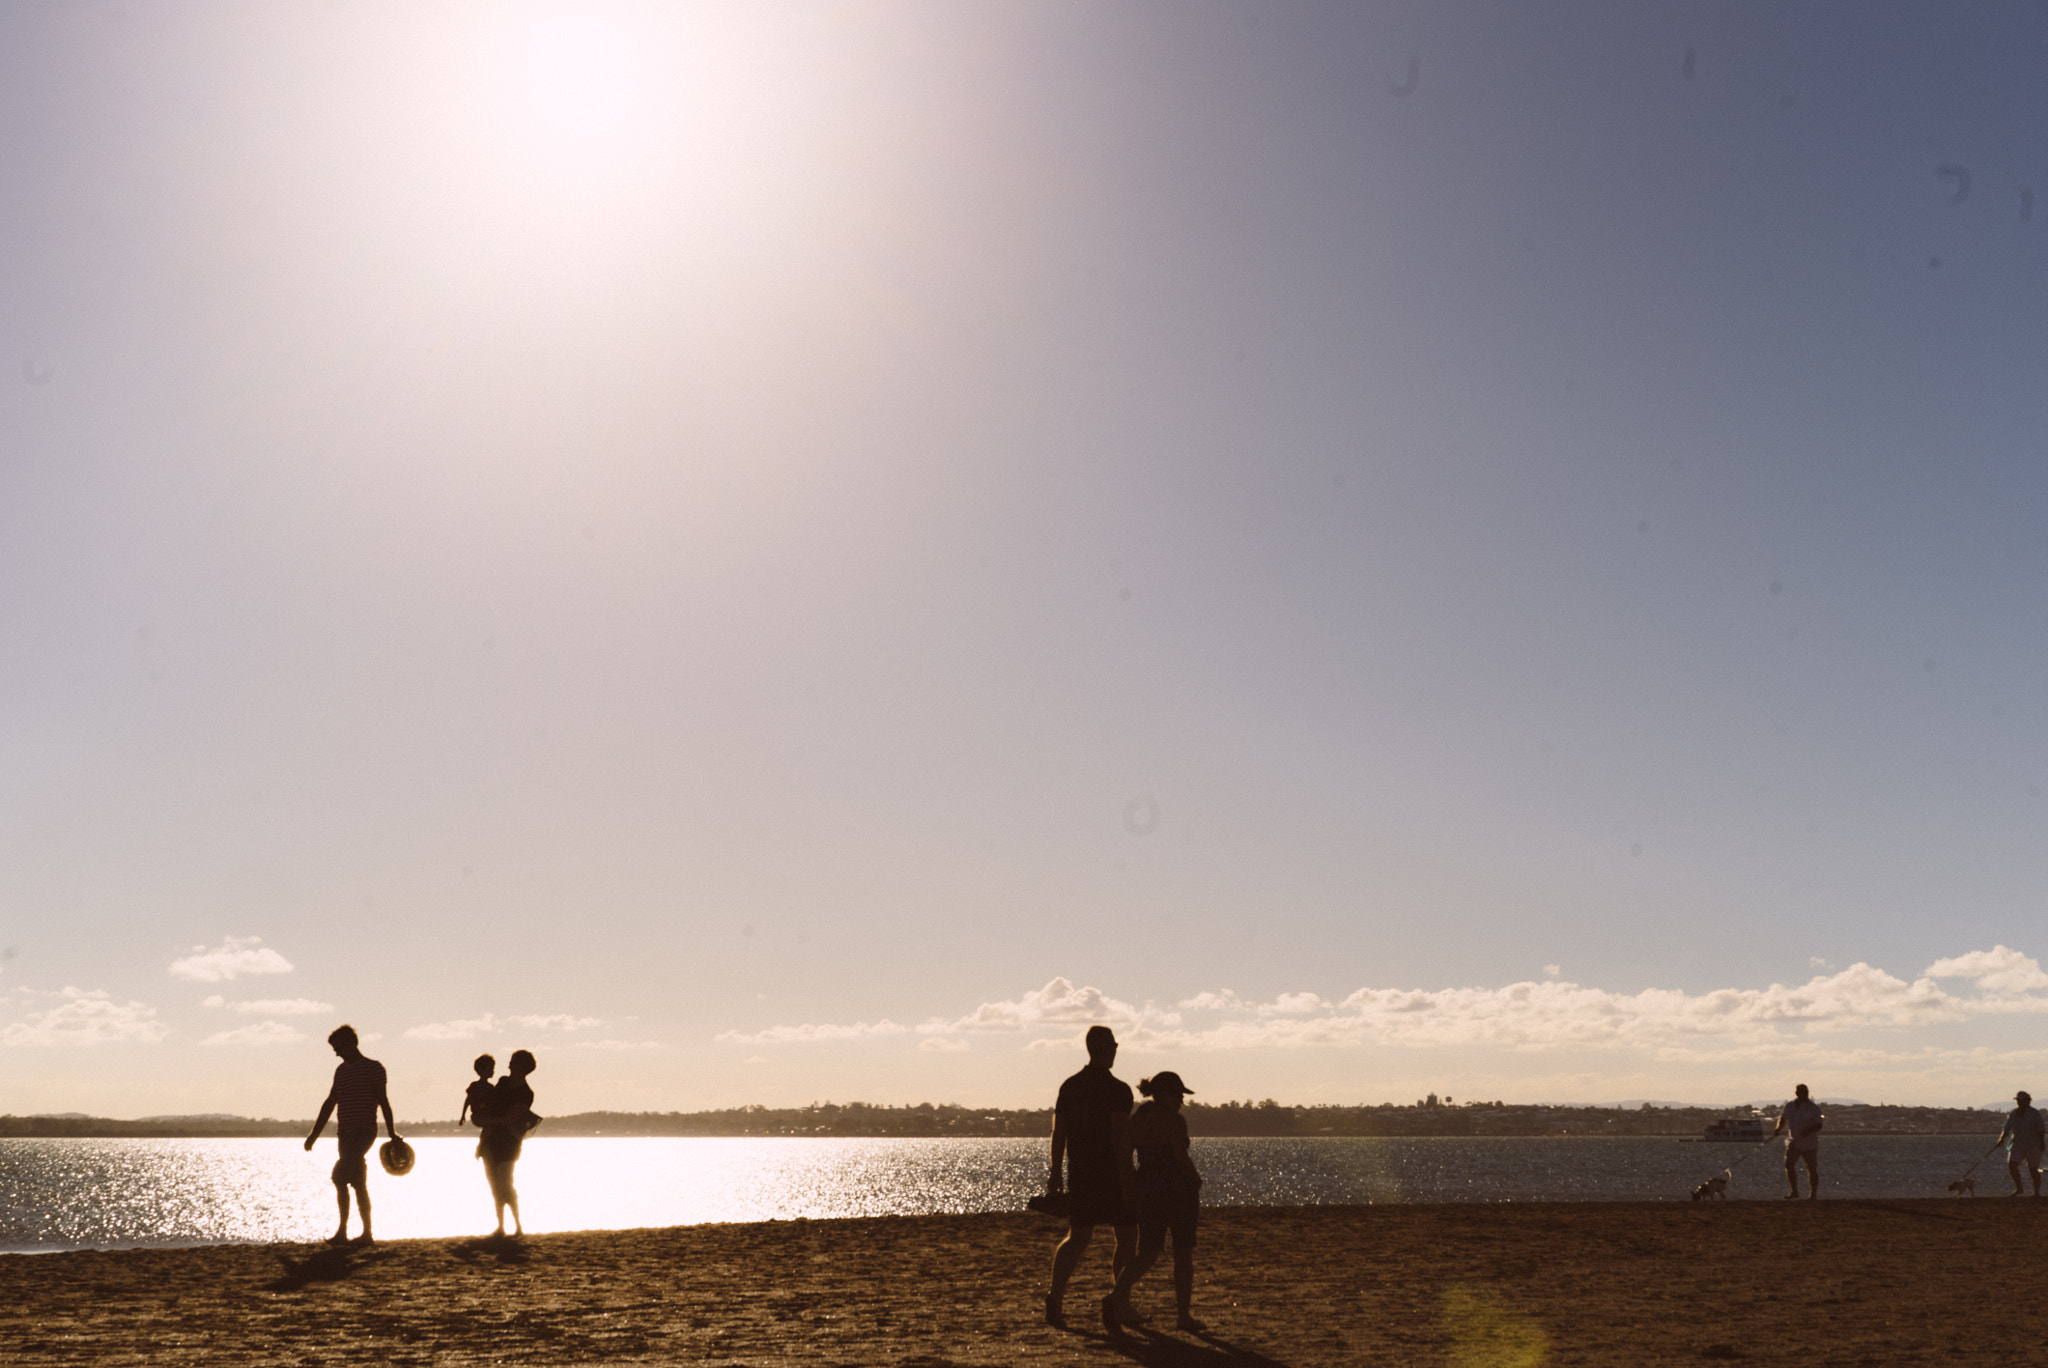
69,1194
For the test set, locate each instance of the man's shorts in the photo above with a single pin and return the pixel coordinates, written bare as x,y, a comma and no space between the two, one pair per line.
1093,1204
2030,1157
350,1168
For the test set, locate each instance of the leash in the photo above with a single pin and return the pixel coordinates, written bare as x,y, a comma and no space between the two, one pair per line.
1751,1151
1982,1157
1746,1156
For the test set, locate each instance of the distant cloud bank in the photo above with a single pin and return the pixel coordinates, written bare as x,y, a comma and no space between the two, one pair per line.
86,1018
1534,1015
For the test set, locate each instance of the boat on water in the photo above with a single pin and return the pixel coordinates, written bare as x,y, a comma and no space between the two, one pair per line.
1752,1129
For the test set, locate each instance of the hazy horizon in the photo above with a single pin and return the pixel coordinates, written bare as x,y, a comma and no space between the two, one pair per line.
769,551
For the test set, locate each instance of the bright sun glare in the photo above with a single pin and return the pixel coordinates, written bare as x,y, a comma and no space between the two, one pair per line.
577,93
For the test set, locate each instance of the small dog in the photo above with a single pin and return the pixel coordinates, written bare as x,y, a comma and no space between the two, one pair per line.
1963,1187
1714,1187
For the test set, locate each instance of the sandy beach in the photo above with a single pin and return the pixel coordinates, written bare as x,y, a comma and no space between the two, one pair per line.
1848,1283
1836,1283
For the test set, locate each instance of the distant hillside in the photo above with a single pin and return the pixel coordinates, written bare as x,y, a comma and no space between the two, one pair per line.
1266,1118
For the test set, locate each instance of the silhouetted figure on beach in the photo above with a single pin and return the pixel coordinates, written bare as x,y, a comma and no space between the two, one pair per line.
506,1121
1089,1131
1168,1198
1800,1124
355,1099
2024,1136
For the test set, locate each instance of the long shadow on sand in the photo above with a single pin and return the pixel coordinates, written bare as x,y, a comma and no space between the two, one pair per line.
324,1265
504,1249
1157,1350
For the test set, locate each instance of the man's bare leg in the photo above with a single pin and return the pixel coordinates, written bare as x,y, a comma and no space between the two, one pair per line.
1117,1305
363,1205
1812,1177
1791,1175
1126,1252
1064,1258
340,1235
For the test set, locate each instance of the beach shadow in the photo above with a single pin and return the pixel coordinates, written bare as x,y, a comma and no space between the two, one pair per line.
501,1249
324,1265
1921,1212
1156,1349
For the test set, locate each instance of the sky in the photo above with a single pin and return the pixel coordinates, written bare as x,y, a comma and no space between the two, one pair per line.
774,553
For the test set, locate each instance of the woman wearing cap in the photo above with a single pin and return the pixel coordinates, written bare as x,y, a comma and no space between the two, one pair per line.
2024,1136
1168,1192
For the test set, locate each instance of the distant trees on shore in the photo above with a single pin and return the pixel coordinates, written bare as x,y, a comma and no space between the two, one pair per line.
1430,1117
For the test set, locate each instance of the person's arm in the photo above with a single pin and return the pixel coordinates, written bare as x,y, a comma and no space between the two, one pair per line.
1181,1158
1124,1148
390,1125
1055,1180
463,1115
326,1110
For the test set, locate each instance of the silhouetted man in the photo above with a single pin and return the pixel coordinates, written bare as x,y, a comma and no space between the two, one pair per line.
1800,1124
1089,1131
2025,1136
357,1095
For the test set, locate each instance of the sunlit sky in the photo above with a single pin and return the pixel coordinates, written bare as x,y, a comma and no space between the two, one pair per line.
783,552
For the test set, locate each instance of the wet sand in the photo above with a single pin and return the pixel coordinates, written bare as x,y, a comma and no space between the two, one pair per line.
1848,1283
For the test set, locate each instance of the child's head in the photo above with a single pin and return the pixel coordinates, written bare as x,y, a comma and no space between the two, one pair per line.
485,1066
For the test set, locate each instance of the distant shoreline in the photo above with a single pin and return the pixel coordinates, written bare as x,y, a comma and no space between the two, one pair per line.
926,1121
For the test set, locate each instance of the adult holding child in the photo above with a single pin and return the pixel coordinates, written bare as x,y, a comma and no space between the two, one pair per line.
1168,1198
505,1124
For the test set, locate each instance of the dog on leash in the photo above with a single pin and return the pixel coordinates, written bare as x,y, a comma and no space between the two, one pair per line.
1963,1187
1716,1186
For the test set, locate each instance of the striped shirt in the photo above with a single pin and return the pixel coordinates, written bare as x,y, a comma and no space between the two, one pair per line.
358,1090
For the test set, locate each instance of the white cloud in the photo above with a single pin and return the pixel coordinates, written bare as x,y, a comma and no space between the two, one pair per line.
232,958
271,1006
946,1043
82,1018
1214,1002
788,1035
487,1023
1997,970
618,1044
1058,1003
1551,971
257,1033
1530,1016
